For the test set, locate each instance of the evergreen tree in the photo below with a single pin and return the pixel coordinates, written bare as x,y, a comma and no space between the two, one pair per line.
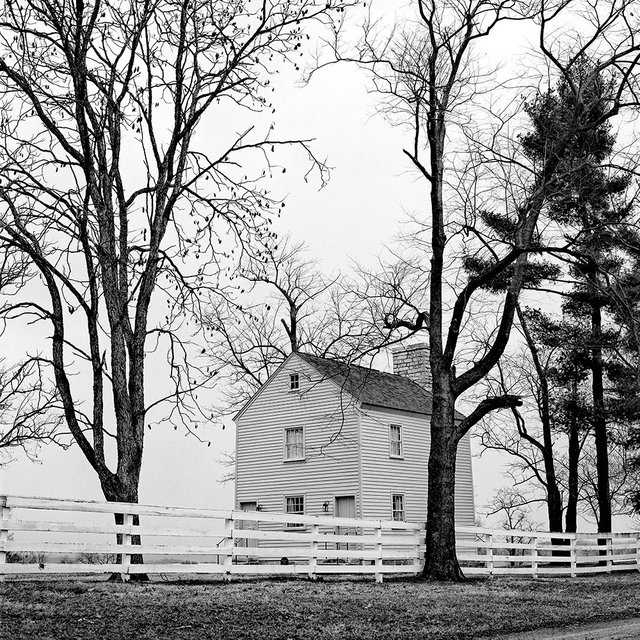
587,214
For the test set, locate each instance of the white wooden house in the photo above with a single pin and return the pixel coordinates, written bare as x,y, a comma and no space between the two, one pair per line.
322,437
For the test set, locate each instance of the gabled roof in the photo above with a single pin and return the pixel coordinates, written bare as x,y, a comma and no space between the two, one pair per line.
373,387
368,386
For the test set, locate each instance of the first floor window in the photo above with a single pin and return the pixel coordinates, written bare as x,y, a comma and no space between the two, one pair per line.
295,504
294,443
397,507
395,441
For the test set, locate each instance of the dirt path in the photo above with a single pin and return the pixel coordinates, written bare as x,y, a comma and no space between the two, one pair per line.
614,630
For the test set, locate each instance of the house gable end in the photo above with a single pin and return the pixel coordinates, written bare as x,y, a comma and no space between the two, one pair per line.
274,375
261,390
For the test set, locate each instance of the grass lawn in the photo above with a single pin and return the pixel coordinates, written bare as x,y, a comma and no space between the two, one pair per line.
348,610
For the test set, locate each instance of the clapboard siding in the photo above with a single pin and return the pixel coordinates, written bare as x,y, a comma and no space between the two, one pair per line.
330,422
384,476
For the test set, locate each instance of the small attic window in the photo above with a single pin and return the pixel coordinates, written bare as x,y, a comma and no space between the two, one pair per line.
294,381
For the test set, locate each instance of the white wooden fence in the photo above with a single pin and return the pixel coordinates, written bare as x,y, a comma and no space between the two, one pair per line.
50,536
512,552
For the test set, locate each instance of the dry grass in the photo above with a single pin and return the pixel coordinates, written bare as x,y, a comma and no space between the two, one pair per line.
270,609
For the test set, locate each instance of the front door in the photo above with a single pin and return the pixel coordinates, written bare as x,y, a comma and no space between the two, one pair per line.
345,508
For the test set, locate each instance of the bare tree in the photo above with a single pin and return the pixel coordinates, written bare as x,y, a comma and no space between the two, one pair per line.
514,507
623,478
117,204
557,435
30,412
550,434
430,79
284,304
543,442
275,311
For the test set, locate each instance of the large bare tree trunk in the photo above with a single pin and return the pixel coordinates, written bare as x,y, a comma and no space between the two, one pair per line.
441,559
126,490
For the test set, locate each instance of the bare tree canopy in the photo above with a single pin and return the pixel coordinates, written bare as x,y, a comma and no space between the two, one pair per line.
283,304
275,311
123,211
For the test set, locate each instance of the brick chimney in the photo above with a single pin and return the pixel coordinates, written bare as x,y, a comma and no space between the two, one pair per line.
412,361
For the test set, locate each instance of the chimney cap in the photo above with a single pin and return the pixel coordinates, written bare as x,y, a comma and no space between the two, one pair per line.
410,347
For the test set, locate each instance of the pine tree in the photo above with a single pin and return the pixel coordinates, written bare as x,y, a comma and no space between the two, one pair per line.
587,212
590,209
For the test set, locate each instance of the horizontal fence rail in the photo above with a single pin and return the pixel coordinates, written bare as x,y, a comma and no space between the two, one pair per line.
52,536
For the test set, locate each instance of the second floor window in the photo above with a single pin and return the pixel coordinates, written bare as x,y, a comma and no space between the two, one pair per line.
294,381
395,441
294,443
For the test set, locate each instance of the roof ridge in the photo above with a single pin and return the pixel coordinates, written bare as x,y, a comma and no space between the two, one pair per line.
357,366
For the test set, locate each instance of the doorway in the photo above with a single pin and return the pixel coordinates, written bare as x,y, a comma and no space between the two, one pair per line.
248,525
345,507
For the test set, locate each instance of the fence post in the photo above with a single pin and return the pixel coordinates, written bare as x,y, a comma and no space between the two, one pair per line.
534,557
313,560
638,552
609,553
419,547
127,539
573,552
379,550
228,546
5,513
489,542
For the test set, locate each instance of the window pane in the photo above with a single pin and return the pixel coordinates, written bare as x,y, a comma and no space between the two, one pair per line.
295,504
395,440
397,507
294,381
294,447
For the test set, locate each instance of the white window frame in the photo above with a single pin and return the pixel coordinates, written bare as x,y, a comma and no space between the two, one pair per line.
286,456
393,454
294,382
297,496
395,511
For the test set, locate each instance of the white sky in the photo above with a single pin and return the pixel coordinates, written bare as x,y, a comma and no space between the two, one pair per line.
359,211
